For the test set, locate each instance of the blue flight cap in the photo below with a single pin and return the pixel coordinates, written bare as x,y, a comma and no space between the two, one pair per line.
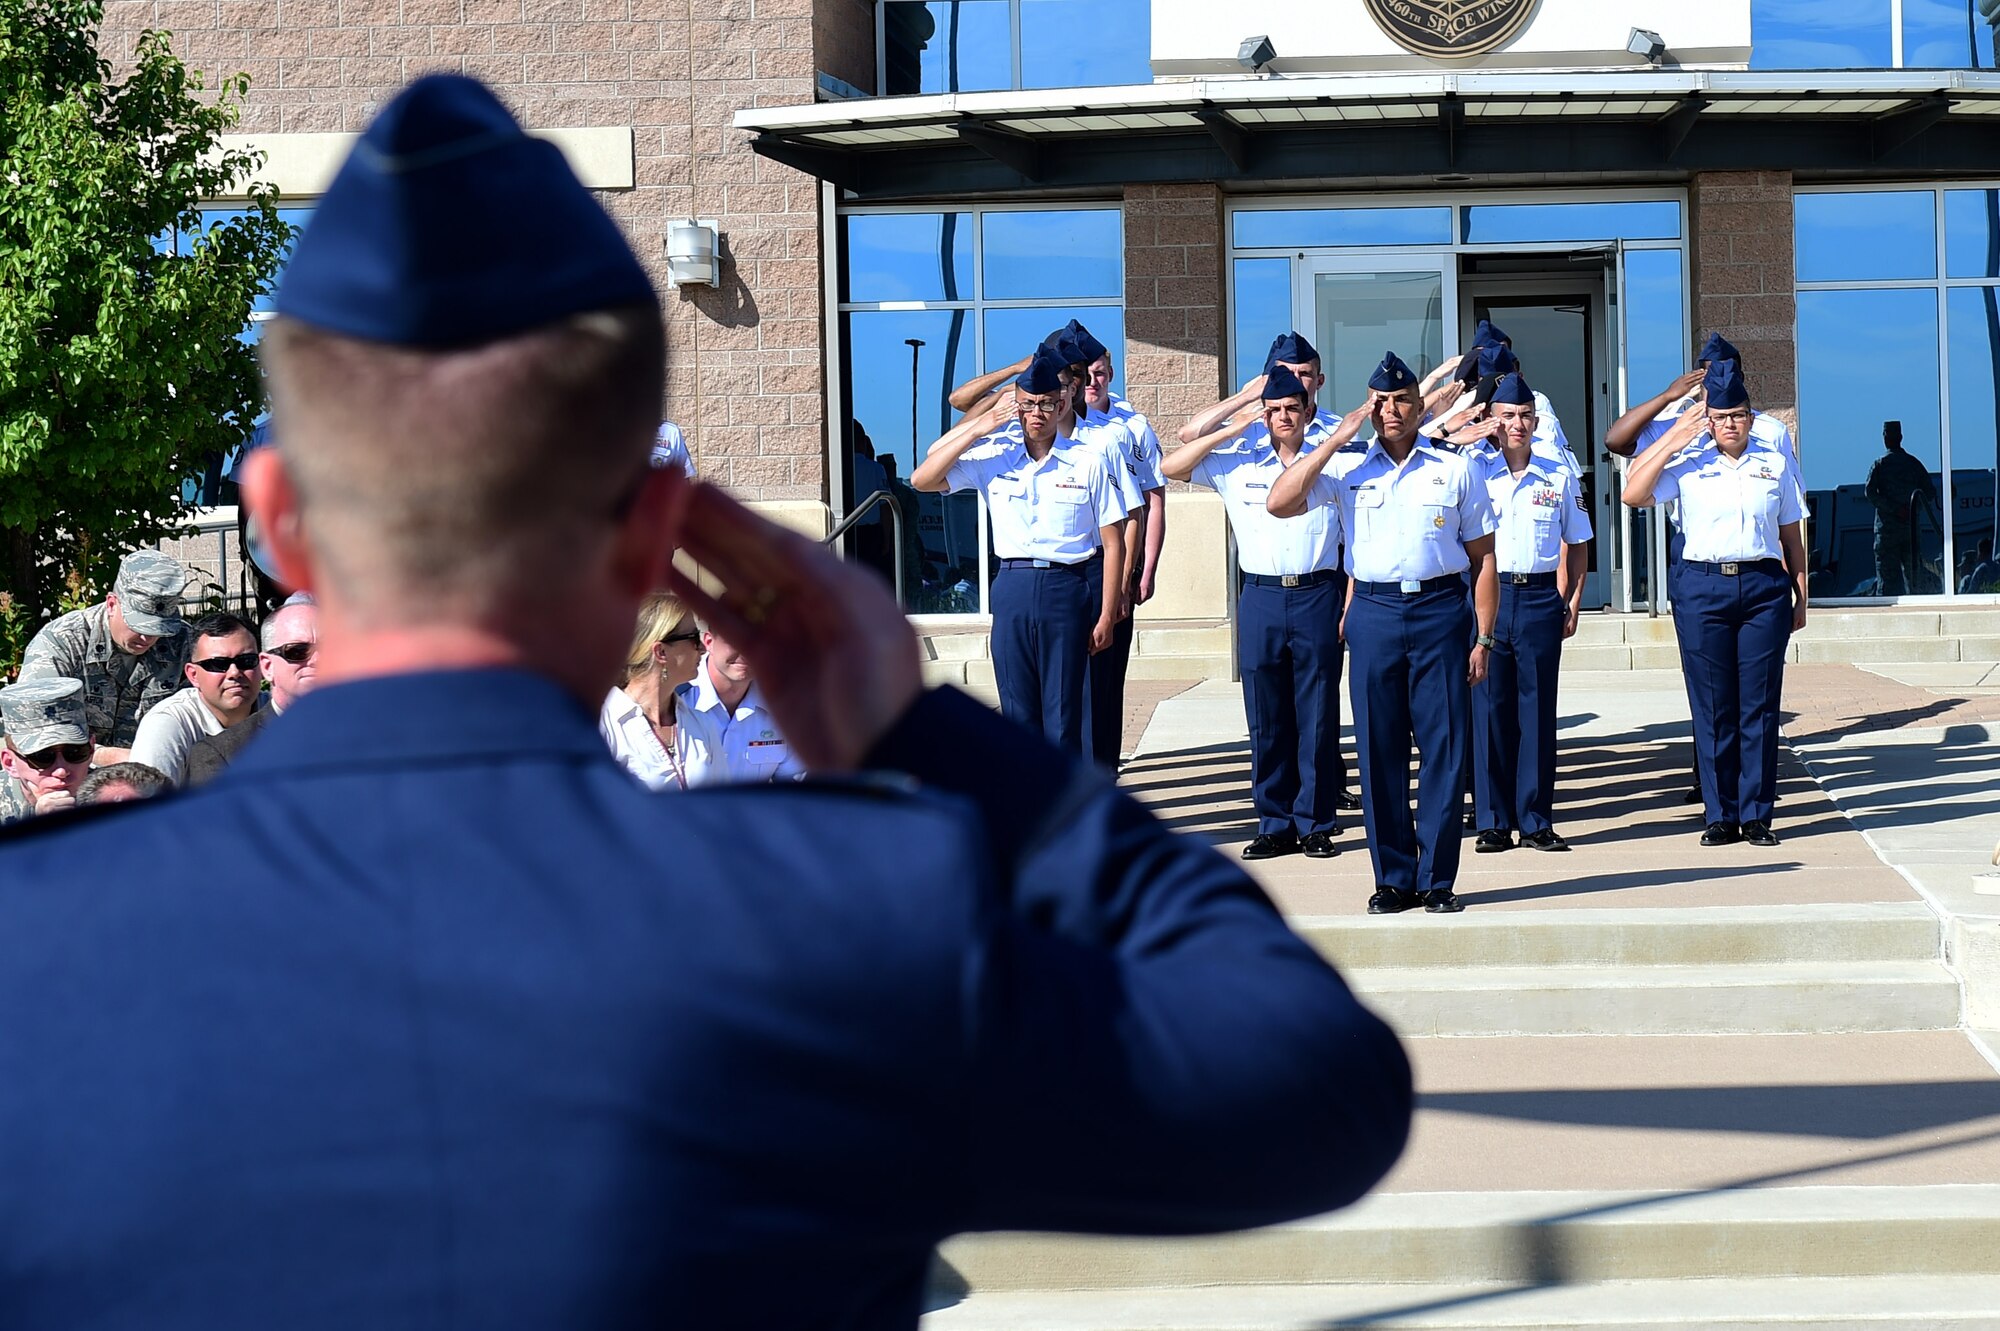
1281,383
1290,348
1496,359
449,225
1717,348
1723,385
1044,372
1512,390
1392,375
1075,345
1488,334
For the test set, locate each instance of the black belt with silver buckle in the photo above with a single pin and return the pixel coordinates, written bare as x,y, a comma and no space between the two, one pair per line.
1312,579
1731,568
1078,566
1528,579
1449,582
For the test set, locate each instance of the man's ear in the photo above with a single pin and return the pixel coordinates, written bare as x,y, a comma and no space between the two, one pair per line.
274,505
649,533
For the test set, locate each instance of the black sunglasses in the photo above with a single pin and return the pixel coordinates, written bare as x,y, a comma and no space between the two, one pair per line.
295,653
75,755
215,665
682,635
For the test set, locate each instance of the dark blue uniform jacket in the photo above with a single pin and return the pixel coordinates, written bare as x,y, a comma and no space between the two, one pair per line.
424,1015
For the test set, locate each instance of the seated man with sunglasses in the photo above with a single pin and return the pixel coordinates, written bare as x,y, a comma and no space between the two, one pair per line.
228,684
291,651
47,753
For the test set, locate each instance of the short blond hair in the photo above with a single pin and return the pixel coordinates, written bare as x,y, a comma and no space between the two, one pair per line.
660,616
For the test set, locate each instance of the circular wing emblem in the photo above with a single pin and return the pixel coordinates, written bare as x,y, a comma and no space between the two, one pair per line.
1450,29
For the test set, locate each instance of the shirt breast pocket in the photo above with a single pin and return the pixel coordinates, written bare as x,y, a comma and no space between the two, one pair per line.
1069,496
1435,522
1370,518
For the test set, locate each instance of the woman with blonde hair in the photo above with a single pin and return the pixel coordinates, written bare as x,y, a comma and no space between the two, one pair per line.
638,719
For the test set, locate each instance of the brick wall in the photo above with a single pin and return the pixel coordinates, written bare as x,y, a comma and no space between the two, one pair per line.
1173,301
744,361
1741,225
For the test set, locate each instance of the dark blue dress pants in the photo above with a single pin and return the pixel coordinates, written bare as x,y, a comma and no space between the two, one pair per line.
1514,712
1289,655
1734,630
1041,640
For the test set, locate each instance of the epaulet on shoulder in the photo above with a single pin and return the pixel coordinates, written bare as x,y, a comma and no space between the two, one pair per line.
29,828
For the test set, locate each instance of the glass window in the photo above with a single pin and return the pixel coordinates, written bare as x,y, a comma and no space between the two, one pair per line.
1085,43
1518,223
1876,524
1816,34
1656,340
947,46
1974,326
901,367
1359,314
1301,228
1014,333
186,241
1972,233
1866,236
1054,255
906,256
1262,310
1946,34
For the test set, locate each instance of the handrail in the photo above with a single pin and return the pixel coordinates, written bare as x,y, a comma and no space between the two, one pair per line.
860,511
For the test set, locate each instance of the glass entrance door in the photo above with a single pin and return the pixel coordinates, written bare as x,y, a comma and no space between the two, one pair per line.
1361,306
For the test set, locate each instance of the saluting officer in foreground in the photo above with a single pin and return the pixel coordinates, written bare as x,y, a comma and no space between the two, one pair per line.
1739,596
1287,620
496,1037
1058,516
1417,522
1541,547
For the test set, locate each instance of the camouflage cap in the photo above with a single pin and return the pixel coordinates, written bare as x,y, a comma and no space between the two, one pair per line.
40,713
149,590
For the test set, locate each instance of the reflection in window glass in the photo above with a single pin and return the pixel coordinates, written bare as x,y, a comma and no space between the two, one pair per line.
1300,228
1656,352
1974,328
1085,43
1263,309
897,394
906,256
1972,233
947,46
1820,34
185,242
1866,236
1875,523
1945,34
1359,314
1053,255
1513,223
1012,334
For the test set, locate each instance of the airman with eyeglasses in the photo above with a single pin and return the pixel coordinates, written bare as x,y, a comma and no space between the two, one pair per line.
47,751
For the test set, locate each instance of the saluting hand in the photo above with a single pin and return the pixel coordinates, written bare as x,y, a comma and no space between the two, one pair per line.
830,649
1688,383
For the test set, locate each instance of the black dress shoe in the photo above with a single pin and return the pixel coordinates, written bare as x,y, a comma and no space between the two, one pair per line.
1492,841
1442,901
1693,795
1546,839
1270,847
1759,834
1721,834
1319,846
1390,901
1346,803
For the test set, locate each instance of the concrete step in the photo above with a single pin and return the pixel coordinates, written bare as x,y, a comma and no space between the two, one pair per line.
1524,1238
1965,1303
1663,1000
1860,647
1184,639
1632,936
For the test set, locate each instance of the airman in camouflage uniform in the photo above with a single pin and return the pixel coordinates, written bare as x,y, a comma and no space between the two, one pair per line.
127,649
47,751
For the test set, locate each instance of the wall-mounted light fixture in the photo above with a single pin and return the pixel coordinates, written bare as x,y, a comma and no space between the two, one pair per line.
1256,54
694,253
1646,45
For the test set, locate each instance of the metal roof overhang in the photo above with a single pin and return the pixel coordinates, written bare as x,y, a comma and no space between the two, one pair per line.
1252,131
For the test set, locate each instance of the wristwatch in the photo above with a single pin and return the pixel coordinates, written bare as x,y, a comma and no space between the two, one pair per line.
1484,640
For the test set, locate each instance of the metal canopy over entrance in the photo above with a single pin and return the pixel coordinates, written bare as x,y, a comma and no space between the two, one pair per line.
1392,126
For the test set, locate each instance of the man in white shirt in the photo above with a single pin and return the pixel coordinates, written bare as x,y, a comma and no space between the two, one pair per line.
290,663
228,679
728,736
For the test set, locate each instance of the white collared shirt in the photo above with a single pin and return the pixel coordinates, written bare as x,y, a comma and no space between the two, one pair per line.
1410,523
637,746
1535,513
1147,459
168,732
721,746
1547,442
670,449
1053,509
1732,510
1242,473
1114,441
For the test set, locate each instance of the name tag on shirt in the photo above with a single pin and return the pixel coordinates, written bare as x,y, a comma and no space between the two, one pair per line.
1070,492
